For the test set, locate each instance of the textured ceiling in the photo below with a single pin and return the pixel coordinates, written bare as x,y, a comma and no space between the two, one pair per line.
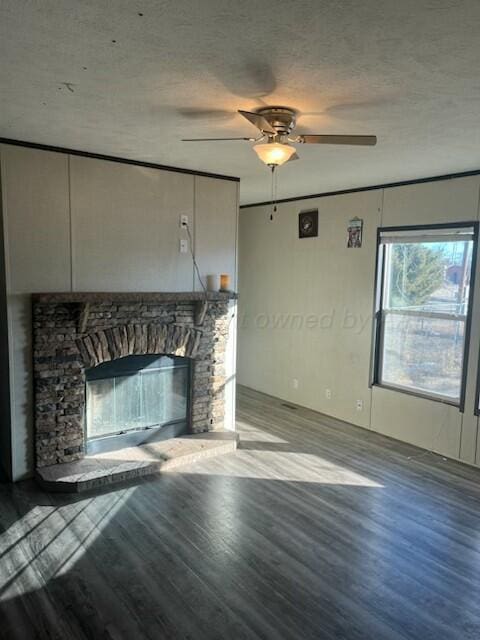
131,78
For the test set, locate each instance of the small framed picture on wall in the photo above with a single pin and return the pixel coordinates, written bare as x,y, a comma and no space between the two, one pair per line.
355,232
308,224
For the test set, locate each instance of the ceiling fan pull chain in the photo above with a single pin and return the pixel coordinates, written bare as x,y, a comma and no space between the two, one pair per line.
274,192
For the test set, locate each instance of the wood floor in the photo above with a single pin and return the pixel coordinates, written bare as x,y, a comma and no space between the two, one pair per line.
310,530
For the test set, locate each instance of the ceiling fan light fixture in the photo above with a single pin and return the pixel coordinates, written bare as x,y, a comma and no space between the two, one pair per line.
274,154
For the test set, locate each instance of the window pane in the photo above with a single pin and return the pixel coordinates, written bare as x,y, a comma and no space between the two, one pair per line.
423,354
429,276
422,351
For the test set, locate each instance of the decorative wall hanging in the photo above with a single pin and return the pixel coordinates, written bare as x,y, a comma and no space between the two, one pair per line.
355,230
308,224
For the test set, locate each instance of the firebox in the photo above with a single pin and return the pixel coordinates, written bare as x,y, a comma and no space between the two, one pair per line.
136,400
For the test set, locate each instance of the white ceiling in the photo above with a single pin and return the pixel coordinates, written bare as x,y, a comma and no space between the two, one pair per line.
405,70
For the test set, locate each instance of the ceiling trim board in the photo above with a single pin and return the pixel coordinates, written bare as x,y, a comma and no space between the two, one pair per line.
100,156
387,185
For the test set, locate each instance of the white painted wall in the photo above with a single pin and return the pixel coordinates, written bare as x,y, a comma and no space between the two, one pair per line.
37,247
306,311
131,213
80,224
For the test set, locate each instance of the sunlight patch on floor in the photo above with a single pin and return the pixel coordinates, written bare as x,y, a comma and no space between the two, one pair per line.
283,466
247,433
52,544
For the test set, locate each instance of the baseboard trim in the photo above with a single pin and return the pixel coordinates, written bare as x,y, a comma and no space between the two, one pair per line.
331,421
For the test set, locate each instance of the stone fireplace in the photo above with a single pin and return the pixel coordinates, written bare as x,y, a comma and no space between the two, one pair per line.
142,334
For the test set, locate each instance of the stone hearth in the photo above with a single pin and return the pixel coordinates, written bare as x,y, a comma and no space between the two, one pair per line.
75,331
93,472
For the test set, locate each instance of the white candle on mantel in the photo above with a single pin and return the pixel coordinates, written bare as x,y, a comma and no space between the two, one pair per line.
213,282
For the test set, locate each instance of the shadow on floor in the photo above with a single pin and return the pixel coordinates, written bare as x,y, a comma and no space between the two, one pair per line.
361,545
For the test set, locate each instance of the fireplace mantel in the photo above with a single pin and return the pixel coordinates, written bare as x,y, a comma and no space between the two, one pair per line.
147,297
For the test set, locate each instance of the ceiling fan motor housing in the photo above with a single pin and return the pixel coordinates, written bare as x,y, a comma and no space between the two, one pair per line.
282,119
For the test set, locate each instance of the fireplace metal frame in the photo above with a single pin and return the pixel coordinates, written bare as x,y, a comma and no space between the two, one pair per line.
143,436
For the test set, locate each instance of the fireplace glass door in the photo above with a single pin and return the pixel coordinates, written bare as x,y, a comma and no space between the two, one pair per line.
136,400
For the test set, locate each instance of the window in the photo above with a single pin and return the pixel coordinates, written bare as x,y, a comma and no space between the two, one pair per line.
423,303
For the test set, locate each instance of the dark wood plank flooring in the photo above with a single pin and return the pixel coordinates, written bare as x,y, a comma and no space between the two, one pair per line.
311,530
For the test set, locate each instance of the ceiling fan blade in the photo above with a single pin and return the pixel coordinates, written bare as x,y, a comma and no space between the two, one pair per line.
295,156
215,139
328,139
258,121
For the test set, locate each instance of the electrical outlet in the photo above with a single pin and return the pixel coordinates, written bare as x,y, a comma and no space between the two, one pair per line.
183,246
295,383
183,221
359,405
328,394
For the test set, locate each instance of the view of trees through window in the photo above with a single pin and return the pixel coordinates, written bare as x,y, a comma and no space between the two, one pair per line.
417,271
426,287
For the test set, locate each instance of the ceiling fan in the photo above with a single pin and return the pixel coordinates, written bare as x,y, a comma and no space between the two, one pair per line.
274,144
